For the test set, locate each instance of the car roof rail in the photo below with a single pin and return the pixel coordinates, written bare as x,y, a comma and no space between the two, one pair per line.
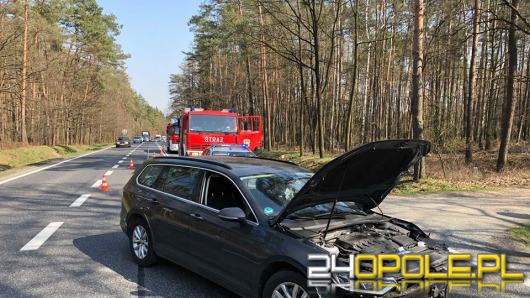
278,160
203,160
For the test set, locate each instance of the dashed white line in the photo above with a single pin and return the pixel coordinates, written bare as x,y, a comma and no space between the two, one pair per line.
124,157
97,183
42,236
108,173
115,166
79,201
120,161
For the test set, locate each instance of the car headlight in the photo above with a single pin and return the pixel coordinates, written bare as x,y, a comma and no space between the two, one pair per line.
126,143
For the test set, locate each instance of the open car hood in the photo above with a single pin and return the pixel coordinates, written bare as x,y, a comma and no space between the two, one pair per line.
364,175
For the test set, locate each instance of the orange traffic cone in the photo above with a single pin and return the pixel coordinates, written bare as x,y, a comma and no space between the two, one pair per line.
131,165
104,185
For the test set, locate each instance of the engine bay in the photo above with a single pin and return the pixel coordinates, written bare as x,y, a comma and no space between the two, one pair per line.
376,236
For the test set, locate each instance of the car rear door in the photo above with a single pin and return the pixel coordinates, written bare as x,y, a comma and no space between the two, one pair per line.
180,190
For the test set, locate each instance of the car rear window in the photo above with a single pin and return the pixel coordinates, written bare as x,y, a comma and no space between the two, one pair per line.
182,182
149,175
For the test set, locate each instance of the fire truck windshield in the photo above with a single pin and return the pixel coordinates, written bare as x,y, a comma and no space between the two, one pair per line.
213,123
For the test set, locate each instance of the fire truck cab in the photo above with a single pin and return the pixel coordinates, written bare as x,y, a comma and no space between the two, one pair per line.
201,128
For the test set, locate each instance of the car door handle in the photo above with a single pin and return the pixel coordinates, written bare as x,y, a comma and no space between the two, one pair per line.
196,216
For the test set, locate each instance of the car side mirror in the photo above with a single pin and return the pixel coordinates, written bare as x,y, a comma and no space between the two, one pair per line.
232,214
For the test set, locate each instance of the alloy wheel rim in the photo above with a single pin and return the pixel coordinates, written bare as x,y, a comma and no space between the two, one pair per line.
289,290
140,242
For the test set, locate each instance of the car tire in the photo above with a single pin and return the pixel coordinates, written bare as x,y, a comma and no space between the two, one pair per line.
287,280
140,235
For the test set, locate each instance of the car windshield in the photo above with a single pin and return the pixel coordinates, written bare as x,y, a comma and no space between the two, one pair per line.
234,153
273,191
213,123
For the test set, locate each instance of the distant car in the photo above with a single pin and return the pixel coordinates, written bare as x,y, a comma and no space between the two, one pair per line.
164,139
234,150
123,141
138,139
145,138
158,138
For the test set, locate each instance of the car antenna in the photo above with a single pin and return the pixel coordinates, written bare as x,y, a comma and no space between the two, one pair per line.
329,221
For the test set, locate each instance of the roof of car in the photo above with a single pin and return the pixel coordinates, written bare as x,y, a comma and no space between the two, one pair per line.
240,166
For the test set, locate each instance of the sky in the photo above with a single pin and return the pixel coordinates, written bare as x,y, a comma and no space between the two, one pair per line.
154,33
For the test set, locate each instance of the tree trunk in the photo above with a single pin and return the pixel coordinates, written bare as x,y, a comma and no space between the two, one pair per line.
23,85
417,83
509,100
472,81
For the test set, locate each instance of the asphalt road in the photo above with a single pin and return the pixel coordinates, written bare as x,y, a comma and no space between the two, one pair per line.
86,254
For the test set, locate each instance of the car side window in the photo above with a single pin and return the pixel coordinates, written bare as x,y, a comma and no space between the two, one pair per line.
182,182
222,193
149,175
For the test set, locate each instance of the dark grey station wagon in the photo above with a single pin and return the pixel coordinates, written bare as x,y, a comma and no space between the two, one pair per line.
249,224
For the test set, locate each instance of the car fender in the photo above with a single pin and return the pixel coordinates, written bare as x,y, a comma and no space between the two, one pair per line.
275,263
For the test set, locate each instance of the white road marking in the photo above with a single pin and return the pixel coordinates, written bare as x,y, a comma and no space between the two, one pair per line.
42,236
108,173
124,157
97,183
50,166
79,201
115,166
452,250
120,161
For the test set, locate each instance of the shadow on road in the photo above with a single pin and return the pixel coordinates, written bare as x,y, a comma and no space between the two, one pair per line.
515,215
164,279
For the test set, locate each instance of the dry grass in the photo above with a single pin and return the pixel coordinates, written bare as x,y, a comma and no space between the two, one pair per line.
30,155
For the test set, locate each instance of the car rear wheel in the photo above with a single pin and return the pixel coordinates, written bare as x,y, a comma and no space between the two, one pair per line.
141,244
287,283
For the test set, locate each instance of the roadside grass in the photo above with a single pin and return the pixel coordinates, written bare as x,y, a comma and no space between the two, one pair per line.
445,172
521,234
35,155
430,185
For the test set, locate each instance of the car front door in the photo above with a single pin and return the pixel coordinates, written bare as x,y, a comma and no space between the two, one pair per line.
228,251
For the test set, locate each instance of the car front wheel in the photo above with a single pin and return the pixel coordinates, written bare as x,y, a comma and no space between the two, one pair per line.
141,244
287,284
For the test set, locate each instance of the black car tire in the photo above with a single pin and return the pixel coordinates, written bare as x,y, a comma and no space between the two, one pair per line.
150,258
286,276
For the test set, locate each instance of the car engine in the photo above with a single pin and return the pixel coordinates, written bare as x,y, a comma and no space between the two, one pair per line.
384,237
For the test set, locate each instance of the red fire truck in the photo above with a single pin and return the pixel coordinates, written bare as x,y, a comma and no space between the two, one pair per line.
199,128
